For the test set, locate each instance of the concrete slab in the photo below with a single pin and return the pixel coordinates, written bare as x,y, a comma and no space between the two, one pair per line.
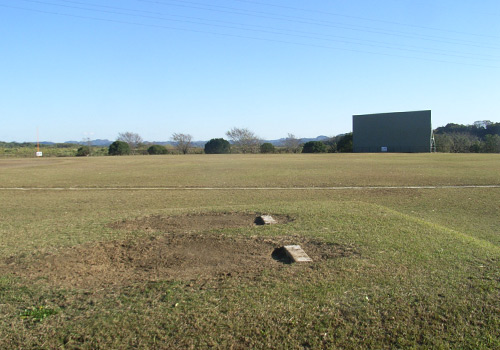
265,220
296,253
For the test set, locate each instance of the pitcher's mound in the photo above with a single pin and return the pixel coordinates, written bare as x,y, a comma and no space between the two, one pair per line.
194,222
175,255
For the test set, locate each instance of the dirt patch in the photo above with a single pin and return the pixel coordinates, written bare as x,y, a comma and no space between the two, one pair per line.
166,257
194,222
185,251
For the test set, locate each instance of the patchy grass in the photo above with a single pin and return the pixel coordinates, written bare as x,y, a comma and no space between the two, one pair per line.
424,273
37,313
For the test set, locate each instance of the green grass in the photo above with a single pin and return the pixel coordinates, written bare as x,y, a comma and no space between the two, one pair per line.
47,151
425,276
37,313
292,170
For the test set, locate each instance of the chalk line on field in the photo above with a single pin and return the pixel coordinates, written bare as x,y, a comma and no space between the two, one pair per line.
242,188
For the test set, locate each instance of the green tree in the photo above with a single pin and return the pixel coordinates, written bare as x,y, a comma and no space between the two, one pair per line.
344,143
331,144
492,144
314,147
462,142
458,138
444,143
217,146
119,148
157,149
457,143
83,151
267,148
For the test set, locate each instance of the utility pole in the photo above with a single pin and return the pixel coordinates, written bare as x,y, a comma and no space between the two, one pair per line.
38,153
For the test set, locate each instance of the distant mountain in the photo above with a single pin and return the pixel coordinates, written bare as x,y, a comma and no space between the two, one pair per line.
281,141
98,142
106,143
171,143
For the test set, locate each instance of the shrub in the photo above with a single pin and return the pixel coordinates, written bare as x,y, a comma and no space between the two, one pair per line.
217,146
157,149
119,148
267,148
314,147
83,151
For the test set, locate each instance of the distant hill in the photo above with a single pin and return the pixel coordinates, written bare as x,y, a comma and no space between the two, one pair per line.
164,143
281,141
98,142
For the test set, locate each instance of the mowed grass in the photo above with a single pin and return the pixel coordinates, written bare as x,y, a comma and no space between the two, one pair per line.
288,170
425,273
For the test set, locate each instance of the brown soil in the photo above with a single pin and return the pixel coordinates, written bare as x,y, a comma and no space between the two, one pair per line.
170,256
194,222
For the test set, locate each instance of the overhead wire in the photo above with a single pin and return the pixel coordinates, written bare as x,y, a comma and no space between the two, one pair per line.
296,19
398,47
348,27
306,35
243,36
366,19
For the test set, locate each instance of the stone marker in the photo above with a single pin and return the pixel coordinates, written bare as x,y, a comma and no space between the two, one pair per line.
265,220
296,253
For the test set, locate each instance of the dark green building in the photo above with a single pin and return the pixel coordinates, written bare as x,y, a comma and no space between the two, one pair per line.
393,132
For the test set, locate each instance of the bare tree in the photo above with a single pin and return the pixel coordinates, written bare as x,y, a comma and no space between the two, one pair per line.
244,139
88,141
292,144
482,124
182,142
133,139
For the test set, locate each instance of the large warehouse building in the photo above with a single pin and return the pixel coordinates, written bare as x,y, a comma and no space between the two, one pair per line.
393,132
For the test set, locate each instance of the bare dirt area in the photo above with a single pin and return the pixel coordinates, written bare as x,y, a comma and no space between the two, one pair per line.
173,255
194,222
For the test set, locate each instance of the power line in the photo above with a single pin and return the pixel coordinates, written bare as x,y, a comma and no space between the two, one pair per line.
348,27
302,20
266,30
243,36
366,19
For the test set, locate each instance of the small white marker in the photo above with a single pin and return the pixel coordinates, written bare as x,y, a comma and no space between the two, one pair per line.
296,253
265,220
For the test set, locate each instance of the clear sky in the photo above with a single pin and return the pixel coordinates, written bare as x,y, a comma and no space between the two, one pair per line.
94,68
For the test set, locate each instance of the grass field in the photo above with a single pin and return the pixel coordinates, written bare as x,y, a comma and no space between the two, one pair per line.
145,255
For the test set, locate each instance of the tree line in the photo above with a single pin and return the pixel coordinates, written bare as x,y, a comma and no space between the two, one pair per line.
480,137
240,140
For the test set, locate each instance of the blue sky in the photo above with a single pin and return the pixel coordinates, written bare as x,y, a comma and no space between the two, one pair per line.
94,68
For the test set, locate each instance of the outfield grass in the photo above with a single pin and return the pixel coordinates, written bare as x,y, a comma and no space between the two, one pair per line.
425,273
288,170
